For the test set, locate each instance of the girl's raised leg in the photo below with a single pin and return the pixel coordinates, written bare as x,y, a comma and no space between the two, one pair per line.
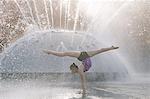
63,54
95,52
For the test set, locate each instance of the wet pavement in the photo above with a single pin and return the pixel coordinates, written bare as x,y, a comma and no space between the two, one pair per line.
36,89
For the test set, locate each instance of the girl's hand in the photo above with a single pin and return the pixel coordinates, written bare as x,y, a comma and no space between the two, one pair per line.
81,92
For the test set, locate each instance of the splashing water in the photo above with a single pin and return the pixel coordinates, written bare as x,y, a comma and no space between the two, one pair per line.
64,25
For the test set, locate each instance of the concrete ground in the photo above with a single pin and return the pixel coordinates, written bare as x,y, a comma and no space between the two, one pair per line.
38,89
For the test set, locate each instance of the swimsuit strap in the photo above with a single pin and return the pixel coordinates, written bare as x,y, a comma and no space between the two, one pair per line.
83,56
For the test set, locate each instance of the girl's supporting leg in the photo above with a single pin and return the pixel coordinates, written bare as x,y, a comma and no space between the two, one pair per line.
95,52
75,54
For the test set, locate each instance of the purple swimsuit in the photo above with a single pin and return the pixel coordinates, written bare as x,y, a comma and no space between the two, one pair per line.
86,61
87,64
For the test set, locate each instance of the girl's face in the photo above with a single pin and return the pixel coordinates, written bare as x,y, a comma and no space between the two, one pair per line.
74,70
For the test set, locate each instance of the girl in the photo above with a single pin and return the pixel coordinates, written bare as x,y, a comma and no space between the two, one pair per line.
84,57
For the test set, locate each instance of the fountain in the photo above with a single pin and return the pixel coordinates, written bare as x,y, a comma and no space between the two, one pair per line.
26,54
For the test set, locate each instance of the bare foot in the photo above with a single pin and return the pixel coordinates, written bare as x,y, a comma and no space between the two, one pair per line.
114,47
45,51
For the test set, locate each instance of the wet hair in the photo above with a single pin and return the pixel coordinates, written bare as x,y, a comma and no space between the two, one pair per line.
73,65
